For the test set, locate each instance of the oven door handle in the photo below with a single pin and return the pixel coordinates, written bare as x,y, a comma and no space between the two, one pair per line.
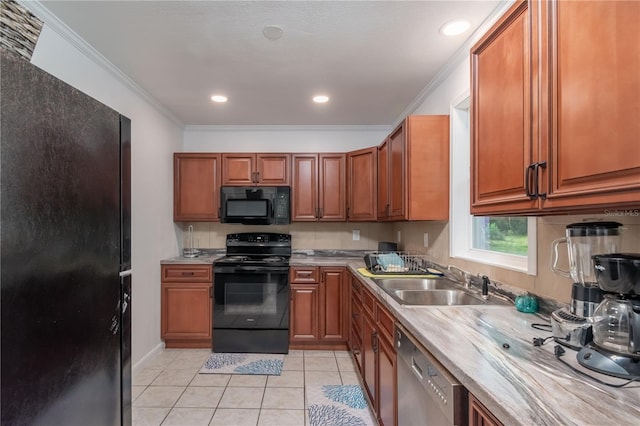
250,269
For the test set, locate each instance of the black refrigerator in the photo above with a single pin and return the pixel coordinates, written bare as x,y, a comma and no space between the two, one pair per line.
66,253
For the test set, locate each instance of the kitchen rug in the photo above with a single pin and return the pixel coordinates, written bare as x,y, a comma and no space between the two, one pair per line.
232,363
338,405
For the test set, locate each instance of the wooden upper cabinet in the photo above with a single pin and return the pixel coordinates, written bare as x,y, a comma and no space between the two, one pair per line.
383,180
256,169
554,109
593,142
319,187
362,188
413,170
397,174
196,187
501,141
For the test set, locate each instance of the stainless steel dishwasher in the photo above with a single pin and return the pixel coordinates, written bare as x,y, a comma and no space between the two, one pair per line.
427,393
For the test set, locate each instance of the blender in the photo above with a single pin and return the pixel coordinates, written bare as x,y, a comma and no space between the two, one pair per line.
615,349
584,239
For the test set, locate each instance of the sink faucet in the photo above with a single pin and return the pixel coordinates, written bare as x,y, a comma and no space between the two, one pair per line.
459,275
485,287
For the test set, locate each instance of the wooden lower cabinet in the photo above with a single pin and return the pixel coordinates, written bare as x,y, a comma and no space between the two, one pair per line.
375,353
304,313
319,308
387,391
186,306
479,415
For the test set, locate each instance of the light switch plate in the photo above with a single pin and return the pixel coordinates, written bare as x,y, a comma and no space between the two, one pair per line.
356,235
426,239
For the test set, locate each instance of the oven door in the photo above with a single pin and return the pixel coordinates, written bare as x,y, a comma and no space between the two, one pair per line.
251,309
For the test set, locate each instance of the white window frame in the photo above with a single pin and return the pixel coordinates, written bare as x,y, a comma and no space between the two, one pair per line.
460,220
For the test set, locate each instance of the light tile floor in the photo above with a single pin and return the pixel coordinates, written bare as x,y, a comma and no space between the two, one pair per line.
169,390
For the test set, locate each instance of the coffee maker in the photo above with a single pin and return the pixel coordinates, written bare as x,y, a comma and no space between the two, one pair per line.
615,349
571,326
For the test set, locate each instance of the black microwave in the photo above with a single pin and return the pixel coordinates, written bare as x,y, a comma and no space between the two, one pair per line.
263,205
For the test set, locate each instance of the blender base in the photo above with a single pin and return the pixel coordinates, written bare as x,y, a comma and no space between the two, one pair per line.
610,363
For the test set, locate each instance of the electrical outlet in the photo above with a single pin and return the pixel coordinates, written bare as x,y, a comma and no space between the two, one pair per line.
399,237
426,239
356,235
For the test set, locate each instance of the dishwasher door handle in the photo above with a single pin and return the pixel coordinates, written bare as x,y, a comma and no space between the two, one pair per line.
416,368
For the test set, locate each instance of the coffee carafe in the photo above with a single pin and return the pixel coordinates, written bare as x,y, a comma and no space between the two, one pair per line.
584,240
616,320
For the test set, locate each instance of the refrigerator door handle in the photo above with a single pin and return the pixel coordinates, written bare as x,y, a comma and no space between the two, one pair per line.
125,273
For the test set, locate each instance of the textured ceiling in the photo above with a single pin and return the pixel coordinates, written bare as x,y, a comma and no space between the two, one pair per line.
371,57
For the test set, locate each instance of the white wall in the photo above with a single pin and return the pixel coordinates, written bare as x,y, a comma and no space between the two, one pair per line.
155,136
282,138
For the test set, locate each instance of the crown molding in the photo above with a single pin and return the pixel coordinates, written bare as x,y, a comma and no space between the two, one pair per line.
52,21
461,54
286,128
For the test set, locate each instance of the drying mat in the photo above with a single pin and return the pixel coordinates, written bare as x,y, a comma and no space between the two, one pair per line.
232,363
338,405
365,273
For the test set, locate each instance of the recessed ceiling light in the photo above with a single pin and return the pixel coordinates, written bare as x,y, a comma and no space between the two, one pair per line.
454,27
321,99
272,32
219,98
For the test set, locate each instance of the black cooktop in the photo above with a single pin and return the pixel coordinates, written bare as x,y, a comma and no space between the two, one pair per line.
257,248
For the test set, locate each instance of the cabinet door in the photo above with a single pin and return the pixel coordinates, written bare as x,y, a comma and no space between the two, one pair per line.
238,169
502,144
397,174
273,169
186,312
304,199
387,389
594,148
196,187
369,358
363,180
479,415
383,180
332,186
304,313
333,306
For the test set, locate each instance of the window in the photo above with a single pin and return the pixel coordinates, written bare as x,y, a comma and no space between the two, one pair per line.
507,242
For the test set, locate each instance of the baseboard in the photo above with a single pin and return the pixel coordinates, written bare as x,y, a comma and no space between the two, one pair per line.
152,353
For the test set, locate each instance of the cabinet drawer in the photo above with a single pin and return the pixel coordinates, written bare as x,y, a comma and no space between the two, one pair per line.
385,322
369,303
303,274
356,289
186,273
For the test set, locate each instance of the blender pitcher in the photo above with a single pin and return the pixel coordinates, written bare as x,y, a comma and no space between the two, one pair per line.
584,240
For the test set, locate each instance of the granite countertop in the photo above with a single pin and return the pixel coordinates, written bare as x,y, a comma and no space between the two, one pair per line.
489,350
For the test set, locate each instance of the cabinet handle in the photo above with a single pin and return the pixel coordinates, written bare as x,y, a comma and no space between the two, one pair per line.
348,211
374,341
321,212
527,181
317,215
186,274
386,210
211,292
257,177
538,166
356,351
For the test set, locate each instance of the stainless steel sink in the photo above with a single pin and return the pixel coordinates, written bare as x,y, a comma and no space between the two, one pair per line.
436,297
432,292
392,284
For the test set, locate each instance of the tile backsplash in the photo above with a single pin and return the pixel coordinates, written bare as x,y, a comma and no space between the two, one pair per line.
304,235
338,235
